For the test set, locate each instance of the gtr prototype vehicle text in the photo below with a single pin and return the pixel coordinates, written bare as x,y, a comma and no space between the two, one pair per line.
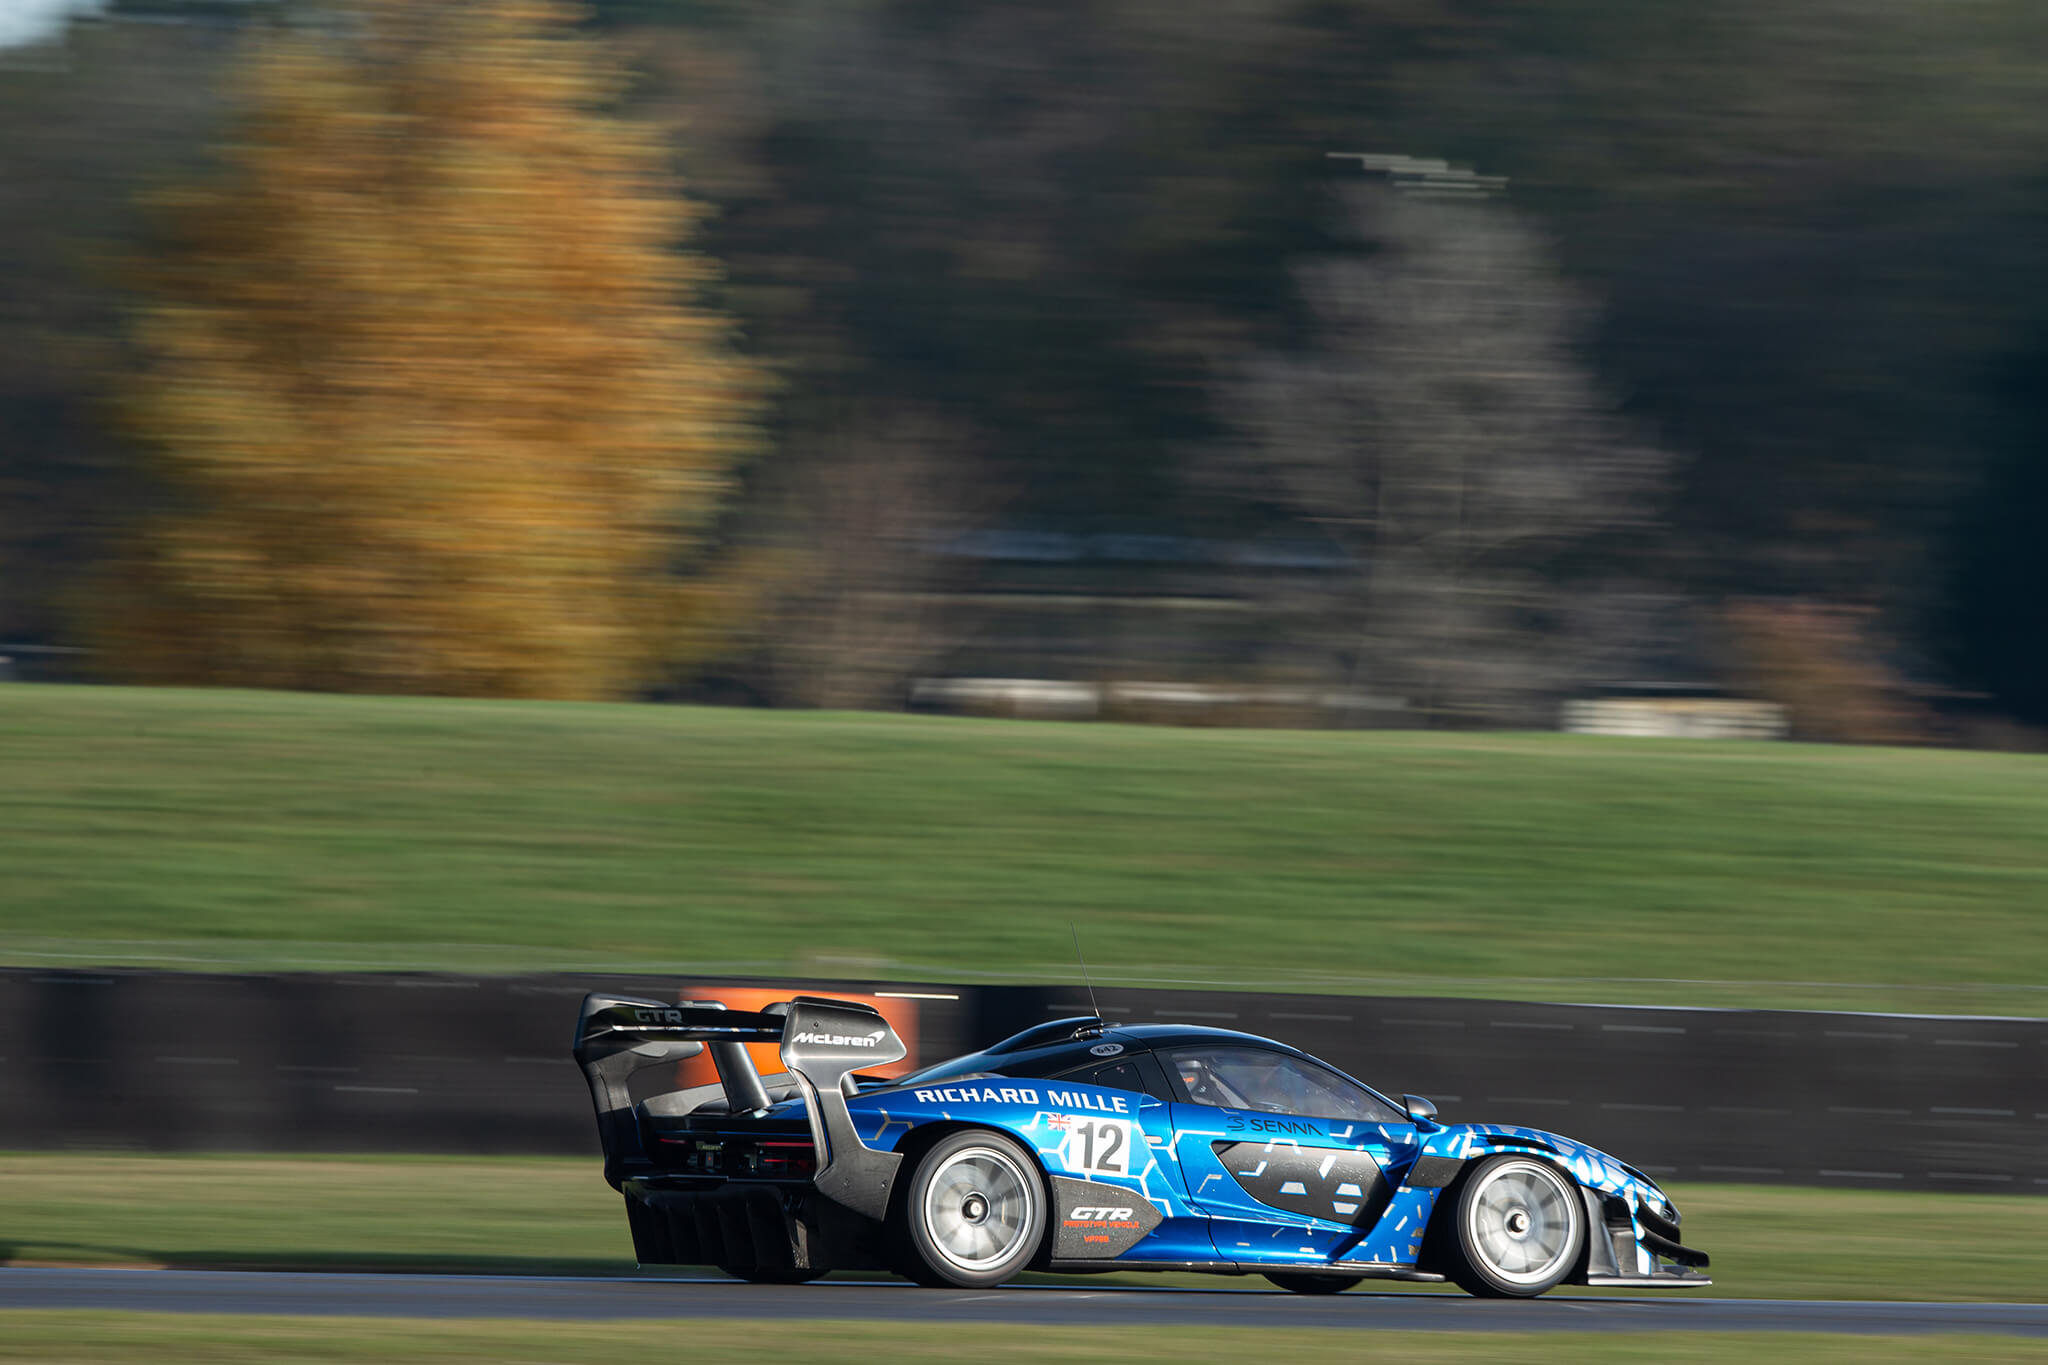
1081,1146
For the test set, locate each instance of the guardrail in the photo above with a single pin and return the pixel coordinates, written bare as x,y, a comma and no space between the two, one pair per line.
428,1063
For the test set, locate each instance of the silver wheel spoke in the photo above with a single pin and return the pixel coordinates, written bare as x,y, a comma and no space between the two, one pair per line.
1521,1222
977,1207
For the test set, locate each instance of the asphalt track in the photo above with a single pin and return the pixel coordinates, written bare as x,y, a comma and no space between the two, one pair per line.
483,1296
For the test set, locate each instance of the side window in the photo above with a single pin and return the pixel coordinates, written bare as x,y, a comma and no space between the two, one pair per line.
1273,1083
1129,1074
1120,1076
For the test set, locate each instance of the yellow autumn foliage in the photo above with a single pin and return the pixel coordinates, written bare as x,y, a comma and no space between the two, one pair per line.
429,388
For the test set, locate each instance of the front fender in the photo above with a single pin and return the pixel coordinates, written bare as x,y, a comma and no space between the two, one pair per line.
1631,1225
1455,1145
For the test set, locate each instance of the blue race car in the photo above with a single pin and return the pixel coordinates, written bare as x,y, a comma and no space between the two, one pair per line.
1080,1146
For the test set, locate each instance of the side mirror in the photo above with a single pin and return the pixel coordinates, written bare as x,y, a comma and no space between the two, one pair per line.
1419,1109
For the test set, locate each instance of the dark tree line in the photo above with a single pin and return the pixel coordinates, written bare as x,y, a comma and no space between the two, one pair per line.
1042,244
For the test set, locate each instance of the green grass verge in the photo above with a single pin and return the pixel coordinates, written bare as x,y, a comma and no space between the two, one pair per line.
237,828
511,1215
176,1339
554,1216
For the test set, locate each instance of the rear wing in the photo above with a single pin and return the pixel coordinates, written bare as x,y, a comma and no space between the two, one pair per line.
822,1042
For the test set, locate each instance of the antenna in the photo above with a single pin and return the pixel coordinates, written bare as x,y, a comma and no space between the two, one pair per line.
1084,969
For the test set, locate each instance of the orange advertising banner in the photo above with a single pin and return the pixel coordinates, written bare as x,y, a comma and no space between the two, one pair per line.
900,1014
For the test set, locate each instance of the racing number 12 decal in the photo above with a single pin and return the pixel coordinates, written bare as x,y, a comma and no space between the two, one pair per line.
1098,1146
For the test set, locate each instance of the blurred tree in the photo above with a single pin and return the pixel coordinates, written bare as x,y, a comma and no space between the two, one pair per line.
85,122
432,405
1823,665
1039,219
1442,426
1997,628
854,510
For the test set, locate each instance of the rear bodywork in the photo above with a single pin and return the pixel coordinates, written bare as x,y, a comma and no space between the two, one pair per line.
755,1174
789,1174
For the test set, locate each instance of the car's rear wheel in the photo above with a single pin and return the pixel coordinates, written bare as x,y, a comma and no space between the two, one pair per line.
973,1214
1313,1284
1518,1228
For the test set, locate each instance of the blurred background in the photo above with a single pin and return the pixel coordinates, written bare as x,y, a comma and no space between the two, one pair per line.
1344,394
1424,365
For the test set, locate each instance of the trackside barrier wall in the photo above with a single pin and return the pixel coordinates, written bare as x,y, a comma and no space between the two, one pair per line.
148,1061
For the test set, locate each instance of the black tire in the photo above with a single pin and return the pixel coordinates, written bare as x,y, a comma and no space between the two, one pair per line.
1313,1284
1517,1229
764,1275
973,1212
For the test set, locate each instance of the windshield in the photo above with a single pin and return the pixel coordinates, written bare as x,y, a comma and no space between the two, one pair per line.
1275,1083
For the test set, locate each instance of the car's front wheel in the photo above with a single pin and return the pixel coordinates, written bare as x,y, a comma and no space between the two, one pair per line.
1518,1228
973,1213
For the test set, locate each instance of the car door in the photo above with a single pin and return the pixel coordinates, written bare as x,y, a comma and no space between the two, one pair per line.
1285,1155
1135,1147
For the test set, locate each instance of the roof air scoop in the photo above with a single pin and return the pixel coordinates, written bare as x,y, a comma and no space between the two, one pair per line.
1057,1031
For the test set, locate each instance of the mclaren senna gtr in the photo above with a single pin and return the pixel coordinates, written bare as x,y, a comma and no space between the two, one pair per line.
1083,1146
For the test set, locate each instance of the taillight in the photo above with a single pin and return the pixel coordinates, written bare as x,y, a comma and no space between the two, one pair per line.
785,1158
737,1160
